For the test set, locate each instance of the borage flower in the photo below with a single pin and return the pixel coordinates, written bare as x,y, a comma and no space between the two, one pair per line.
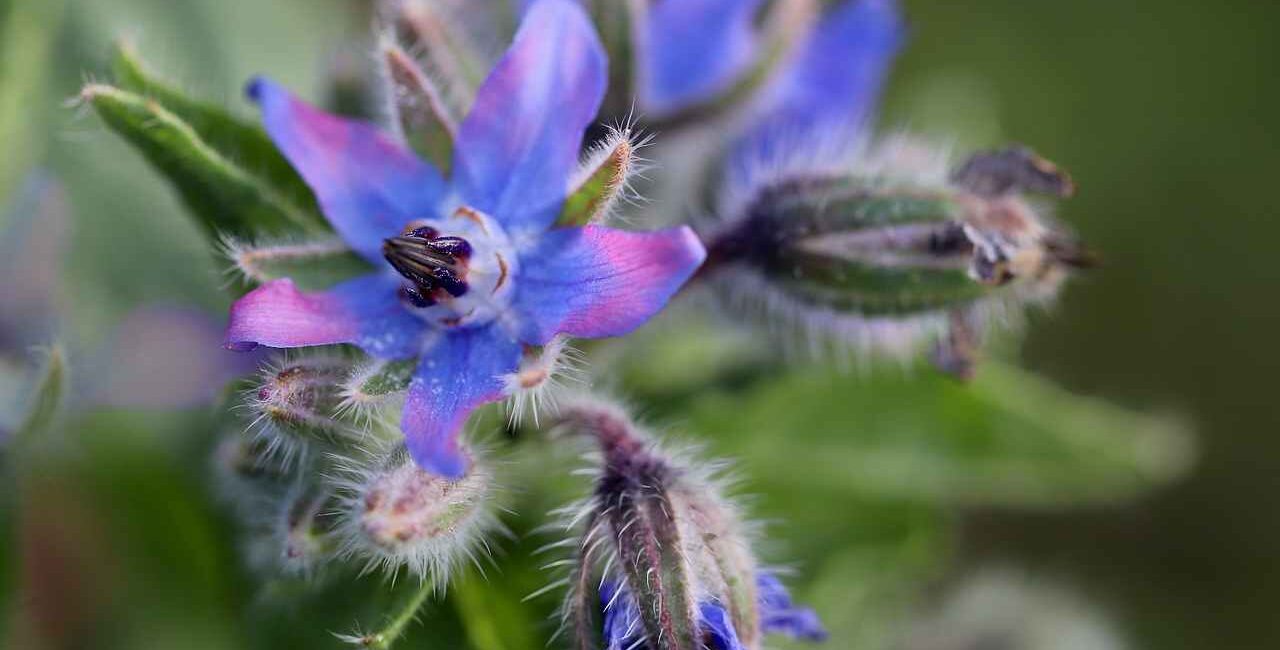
471,269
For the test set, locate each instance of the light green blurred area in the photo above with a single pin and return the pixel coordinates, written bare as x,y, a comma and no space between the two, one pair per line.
887,488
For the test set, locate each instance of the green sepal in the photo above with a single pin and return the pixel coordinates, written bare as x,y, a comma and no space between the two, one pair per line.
225,198
605,181
385,378
419,109
234,139
879,291
45,401
311,265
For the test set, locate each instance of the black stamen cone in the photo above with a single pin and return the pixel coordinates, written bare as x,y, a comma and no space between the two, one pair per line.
433,264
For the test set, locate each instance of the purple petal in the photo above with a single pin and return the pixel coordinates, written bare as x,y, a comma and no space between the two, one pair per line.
836,77
688,51
519,145
593,281
368,186
778,614
365,311
718,628
463,371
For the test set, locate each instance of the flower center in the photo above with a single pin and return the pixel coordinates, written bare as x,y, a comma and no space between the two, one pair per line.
458,270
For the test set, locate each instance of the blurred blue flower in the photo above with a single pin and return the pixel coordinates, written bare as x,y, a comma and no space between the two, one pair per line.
470,267
623,628
690,52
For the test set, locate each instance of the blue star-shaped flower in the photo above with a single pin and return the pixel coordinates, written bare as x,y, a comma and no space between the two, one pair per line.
470,267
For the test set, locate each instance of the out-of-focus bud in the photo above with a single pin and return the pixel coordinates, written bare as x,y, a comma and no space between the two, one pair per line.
673,560
296,403
418,106
395,514
303,530
891,249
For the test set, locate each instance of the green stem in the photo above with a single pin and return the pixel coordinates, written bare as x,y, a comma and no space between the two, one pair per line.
387,636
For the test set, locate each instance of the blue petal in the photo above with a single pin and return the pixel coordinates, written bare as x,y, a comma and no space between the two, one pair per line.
368,186
778,614
519,146
365,311
593,282
689,51
718,628
622,625
836,76
463,371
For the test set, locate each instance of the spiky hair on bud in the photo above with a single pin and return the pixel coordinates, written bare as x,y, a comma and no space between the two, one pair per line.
294,405
302,530
449,41
311,262
544,373
849,245
606,176
661,556
393,514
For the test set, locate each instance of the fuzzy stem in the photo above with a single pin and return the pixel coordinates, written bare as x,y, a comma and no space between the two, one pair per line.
387,636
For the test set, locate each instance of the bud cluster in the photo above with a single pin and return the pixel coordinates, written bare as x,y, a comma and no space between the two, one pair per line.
320,480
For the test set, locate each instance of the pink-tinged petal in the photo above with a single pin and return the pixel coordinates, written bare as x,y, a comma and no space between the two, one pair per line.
593,281
689,51
364,311
462,372
519,146
368,186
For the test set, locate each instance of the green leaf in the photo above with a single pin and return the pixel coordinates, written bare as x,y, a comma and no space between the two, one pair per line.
45,402
311,265
224,196
27,32
245,143
1008,438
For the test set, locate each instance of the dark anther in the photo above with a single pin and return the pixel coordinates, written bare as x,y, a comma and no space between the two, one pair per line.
433,264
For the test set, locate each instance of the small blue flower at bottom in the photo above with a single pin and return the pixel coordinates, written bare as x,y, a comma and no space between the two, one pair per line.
470,268
623,629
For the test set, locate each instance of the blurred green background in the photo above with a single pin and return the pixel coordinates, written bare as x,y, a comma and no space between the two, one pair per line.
1163,112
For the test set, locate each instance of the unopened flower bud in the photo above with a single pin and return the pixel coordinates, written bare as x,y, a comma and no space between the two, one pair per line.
304,530
248,476
397,514
296,402
675,565
891,248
